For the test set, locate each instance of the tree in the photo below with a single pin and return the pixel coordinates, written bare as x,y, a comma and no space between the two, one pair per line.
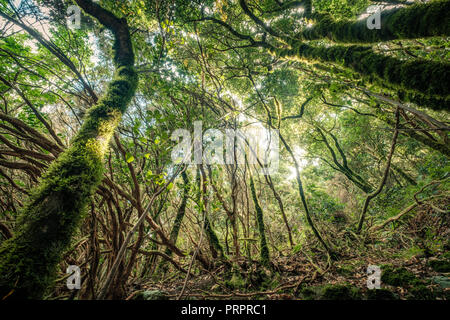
55,208
358,118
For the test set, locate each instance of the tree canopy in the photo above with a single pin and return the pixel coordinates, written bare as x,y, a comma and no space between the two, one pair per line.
96,97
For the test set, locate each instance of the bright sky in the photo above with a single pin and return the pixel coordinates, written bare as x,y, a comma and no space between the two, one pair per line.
299,154
41,26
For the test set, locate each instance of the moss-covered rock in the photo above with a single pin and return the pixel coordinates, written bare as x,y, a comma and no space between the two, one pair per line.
420,292
307,293
340,292
345,270
398,277
381,294
151,295
330,292
440,265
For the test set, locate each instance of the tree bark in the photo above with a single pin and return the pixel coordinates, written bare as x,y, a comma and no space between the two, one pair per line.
29,260
417,21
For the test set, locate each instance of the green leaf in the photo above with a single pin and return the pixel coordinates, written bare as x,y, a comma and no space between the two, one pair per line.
129,157
143,140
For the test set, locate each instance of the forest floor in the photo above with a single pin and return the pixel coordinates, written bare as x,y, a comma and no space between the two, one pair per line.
414,263
296,278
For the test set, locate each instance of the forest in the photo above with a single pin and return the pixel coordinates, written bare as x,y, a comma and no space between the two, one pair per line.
224,149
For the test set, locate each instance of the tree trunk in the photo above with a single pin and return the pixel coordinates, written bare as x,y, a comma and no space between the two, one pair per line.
28,261
178,220
425,80
264,253
417,21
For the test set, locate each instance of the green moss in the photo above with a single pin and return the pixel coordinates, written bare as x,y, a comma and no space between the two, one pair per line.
214,244
307,293
178,220
381,294
236,281
432,102
28,261
264,253
213,239
415,21
410,253
420,292
331,292
181,210
340,292
48,221
151,295
399,277
345,270
268,280
418,78
440,265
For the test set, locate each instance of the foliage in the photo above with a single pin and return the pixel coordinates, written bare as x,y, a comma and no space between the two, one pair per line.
86,170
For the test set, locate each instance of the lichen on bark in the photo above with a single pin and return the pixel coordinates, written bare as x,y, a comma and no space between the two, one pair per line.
29,259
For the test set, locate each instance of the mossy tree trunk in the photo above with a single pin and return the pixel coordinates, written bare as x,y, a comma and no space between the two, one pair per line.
416,21
264,251
213,240
422,81
231,213
301,192
180,213
28,260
